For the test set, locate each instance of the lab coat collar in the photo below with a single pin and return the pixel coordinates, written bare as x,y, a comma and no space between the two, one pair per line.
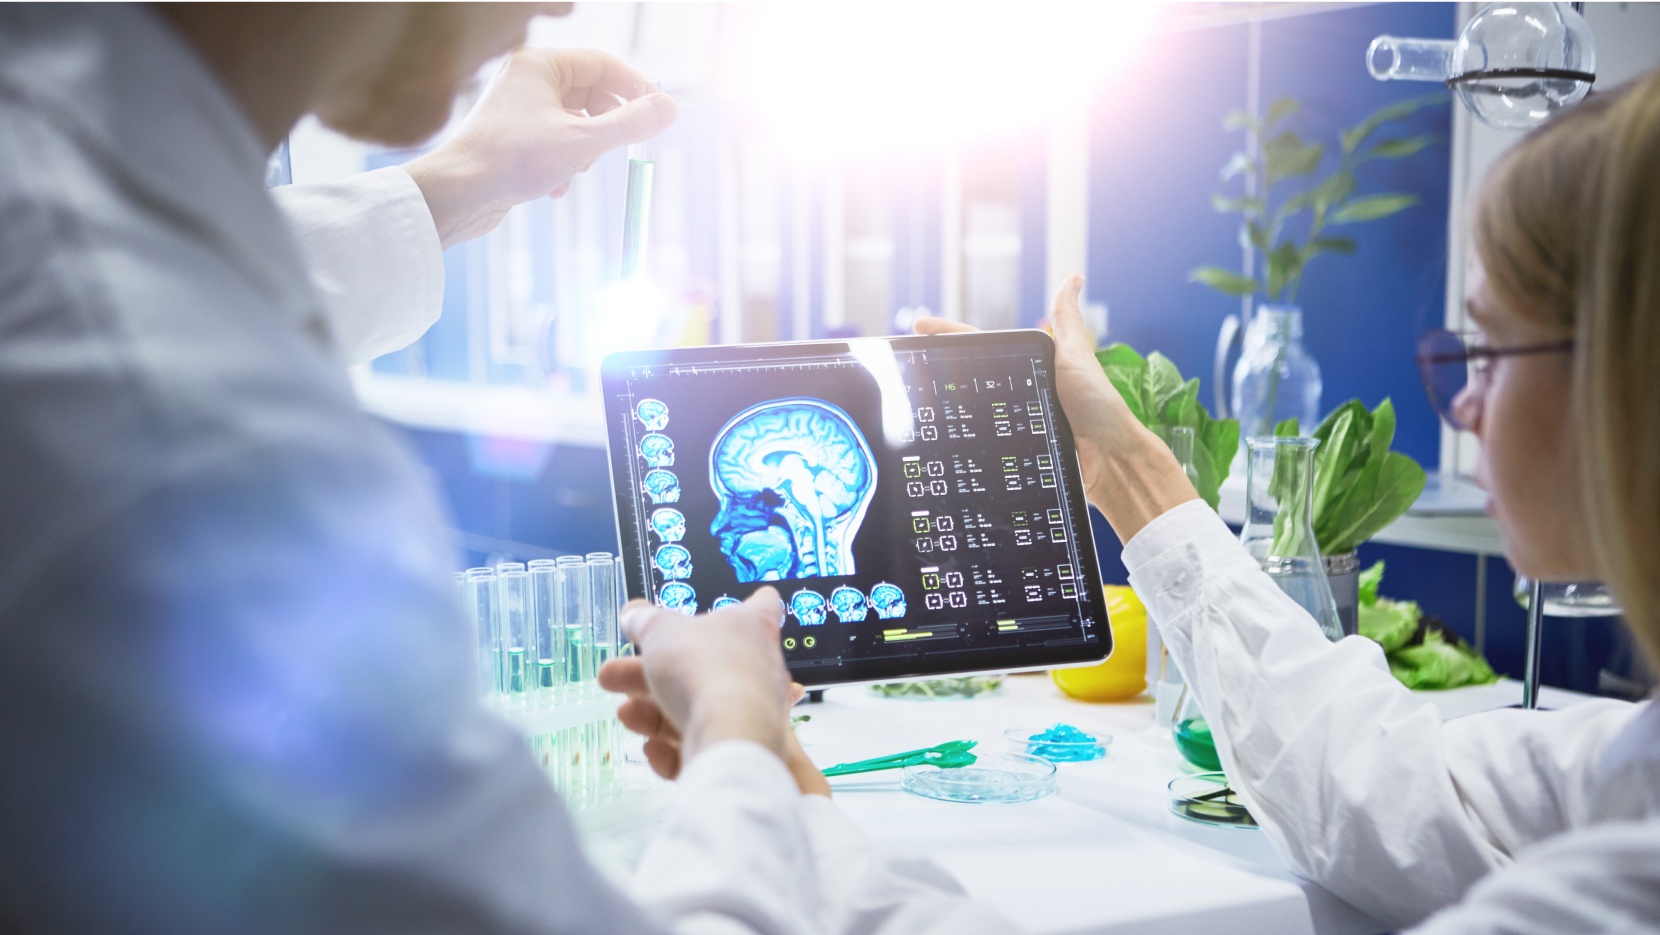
140,100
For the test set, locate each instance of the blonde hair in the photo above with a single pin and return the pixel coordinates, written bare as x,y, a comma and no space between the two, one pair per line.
1568,231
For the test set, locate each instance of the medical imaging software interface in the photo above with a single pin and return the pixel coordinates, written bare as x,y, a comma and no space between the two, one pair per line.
908,502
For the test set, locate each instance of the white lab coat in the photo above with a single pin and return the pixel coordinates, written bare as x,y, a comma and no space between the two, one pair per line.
234,688
1507,821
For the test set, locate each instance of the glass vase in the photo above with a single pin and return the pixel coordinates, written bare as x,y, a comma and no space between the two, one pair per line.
1279,524
1275,378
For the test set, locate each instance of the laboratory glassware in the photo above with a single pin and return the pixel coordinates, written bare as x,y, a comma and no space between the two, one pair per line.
1208,799
1513,64
550,670
517,637
1279,524
572,599
603,602
642,165
1275,378
481,613
1578,599
1001,777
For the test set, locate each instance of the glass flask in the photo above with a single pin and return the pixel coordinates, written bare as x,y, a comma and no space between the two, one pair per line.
1513,65
1279,524
1275,378
1570,598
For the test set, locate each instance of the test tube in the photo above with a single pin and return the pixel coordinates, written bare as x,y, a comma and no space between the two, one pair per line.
481,611
518,639
642,162
602,583
550,633
571,598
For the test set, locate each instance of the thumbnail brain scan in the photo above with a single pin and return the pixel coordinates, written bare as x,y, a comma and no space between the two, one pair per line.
809,608
653,414
794,477
674,562
888,601
724,601
658,450
668,524
678,595
661,486
849,604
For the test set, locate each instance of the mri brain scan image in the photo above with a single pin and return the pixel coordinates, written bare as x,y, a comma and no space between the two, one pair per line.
794,478
653,414
674,562
661,486
809,608
724,600
658,450
668,524
678,595
849,604
888,601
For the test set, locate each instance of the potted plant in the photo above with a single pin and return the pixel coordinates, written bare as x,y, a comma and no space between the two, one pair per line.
1287,225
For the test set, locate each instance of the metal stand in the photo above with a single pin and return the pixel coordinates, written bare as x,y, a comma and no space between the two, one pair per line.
1535,626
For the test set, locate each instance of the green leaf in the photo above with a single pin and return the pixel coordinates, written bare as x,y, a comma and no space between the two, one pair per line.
1127,372
1240,120
1164,382
1281,109
1219,442
1224,204
1337,187
1343,245
1389,623
1284,266
1286,428
1399,482
1401,148
1223,281
1372,207
1286,156
1383,428
1370,579
1252,235
1352,138
1238,164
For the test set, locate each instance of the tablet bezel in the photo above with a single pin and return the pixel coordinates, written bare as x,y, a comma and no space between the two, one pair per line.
869,670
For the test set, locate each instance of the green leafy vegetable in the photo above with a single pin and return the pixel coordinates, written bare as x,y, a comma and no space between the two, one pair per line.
1360,486
1437,663
1158,396
1369,581
1389,623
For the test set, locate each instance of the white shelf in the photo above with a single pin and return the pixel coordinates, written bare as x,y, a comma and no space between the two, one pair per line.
511,412
1448,516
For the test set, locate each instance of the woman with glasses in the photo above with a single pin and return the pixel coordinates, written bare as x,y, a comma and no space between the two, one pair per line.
1512,821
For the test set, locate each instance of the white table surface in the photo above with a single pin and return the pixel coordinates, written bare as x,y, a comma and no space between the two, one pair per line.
1103,855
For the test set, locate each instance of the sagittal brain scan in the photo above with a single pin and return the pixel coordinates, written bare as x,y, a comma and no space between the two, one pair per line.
888,601
674,562
653,414
849,604
724,601
678,595
669,524
662,486
657,450
808,607
794,477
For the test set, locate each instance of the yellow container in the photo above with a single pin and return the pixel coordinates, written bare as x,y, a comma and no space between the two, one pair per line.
1124,674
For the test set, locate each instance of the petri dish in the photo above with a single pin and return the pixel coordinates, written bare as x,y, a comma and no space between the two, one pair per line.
999,778
1208,799
1060,743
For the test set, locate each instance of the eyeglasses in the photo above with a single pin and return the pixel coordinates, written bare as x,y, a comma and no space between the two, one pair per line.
1451,363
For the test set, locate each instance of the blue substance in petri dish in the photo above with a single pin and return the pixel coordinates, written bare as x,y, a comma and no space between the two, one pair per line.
1064,743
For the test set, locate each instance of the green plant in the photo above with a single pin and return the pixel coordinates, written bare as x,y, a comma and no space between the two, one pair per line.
1332,200
1154,390
1360,486
1422,652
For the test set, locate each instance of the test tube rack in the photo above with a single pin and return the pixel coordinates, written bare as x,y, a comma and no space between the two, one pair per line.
541,632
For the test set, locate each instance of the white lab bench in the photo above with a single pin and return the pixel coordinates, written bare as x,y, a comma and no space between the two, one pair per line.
1102,855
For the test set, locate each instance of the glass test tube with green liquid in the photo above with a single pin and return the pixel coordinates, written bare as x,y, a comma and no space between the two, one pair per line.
549,674
571,599
518,638
642,162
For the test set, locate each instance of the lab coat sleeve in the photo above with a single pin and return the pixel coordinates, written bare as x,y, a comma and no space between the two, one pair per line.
1602,880
373,252
1355,780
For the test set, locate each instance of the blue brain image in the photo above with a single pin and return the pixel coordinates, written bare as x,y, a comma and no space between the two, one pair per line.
849,604
662,486
658,450
653,414
668,524
794,477
678,595
674,562
724,601
888,601
809,608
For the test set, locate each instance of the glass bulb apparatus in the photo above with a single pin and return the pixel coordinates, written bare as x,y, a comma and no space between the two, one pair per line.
1513,65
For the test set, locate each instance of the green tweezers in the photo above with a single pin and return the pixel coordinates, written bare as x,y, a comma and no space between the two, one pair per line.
949,755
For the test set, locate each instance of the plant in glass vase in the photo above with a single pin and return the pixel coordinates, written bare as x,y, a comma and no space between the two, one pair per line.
1287,225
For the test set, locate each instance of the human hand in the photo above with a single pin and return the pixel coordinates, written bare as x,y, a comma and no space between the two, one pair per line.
547,117
1129,474
699,681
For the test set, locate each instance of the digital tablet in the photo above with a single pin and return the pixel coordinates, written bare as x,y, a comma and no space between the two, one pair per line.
915,500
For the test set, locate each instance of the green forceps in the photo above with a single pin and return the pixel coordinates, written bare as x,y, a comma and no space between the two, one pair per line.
948,755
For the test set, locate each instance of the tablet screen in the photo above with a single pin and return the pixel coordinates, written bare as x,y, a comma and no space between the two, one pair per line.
915,500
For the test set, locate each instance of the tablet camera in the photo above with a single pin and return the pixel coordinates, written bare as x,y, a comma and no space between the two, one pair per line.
888,601
658,450
794,478
674,562
653,414
849,604
669,524
809,607
661,486
678,595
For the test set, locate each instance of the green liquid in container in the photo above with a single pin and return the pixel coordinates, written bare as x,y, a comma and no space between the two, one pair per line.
1194,741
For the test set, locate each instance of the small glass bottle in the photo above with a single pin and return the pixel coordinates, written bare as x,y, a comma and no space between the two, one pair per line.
1275,378
1279,524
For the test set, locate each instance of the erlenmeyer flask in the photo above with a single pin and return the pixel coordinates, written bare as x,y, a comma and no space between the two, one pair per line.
1279,524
